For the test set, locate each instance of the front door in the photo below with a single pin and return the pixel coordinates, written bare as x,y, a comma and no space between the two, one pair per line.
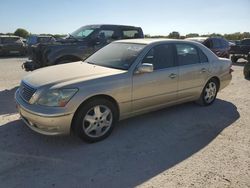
159,87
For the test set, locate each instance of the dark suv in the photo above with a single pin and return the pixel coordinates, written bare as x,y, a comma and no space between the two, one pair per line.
11,45
79,45
218,45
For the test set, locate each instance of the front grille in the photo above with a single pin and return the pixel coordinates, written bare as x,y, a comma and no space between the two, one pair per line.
26,91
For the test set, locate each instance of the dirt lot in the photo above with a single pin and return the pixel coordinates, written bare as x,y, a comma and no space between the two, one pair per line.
181,146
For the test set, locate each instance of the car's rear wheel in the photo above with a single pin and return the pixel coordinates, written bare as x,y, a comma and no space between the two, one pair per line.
95,120
209,93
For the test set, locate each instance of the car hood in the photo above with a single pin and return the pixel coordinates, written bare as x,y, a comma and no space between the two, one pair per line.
67,74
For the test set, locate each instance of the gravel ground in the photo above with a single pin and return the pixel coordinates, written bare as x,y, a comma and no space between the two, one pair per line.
182,146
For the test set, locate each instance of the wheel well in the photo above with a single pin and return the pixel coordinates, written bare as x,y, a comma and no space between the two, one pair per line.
68,57
101,96
217,80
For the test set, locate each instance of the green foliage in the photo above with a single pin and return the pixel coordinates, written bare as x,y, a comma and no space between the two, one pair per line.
192,35
174,35
21,33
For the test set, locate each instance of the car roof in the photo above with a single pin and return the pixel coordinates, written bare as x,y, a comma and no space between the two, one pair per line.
111,25
150,41
199,39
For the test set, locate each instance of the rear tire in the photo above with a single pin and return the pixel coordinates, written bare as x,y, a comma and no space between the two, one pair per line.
209,93
95,120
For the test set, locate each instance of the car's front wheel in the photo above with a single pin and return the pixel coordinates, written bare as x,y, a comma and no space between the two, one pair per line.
209,93
95,120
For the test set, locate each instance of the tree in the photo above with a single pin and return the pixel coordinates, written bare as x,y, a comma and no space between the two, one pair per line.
174,35
21,33
190,35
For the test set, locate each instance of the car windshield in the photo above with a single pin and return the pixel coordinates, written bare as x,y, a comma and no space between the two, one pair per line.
116,55
83,32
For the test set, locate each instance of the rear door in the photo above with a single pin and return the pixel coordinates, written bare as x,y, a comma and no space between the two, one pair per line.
193,70
160,86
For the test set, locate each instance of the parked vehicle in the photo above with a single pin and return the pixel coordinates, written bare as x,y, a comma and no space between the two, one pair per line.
218,45
11,45
246,70
240,50
123,79
79,45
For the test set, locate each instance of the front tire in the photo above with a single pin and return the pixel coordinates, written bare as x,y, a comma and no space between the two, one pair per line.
95,120
209,93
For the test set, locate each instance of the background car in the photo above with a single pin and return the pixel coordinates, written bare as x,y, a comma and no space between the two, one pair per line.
240,50
79,45
11,45
219,46
142,75
246,70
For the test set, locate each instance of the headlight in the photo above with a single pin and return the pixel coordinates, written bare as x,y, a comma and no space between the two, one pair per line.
56,97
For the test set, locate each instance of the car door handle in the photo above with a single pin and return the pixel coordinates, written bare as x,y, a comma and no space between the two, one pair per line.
203,70
172,76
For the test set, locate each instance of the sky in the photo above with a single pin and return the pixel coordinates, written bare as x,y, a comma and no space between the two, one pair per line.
156,17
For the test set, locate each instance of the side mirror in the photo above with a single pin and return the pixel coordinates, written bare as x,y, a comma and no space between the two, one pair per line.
145,68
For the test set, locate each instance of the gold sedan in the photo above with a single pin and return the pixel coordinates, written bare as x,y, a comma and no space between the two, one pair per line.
123,79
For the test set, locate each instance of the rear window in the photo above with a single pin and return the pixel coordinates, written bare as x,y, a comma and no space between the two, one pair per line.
129,34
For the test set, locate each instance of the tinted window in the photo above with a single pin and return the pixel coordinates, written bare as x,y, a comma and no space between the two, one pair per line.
187,54
161,56
216,43
203,57
106,34
130,34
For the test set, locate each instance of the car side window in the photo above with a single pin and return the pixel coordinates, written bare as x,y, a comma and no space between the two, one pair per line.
106,34
203,57
187,54
129,34
161,56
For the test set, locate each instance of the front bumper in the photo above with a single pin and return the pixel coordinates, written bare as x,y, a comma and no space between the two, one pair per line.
44,123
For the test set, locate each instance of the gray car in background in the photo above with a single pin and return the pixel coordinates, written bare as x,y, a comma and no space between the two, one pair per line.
123,79
11,45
